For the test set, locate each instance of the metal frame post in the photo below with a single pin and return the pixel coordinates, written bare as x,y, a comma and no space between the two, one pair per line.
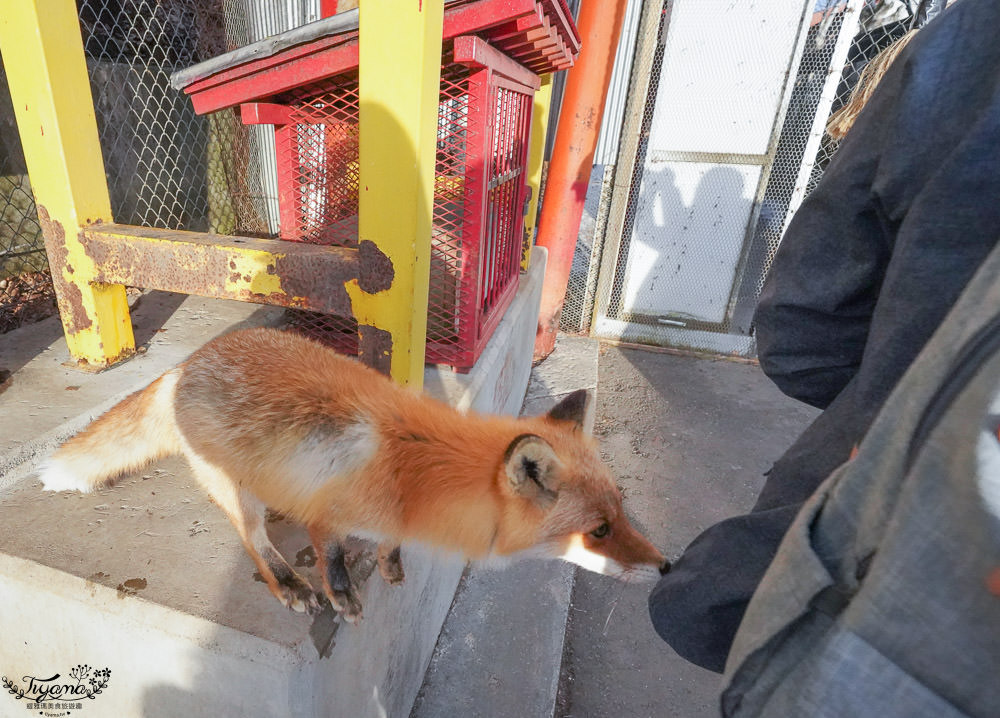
572,158
47,73
399,77
536,159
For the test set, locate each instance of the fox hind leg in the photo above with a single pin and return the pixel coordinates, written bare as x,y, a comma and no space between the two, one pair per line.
247,514
390,565
336,580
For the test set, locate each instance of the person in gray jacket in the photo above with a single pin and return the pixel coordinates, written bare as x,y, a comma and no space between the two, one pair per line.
868,268
884,598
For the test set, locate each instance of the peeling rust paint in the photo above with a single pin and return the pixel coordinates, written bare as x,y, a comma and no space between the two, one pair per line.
246,269
301,276
375,348
181,269
108,363
375,270
68,295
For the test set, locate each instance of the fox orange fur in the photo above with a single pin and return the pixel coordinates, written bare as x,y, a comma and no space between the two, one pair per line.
269,419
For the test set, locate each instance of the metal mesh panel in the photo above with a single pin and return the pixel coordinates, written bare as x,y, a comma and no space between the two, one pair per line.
318,155
166,166
589,255
451,300
798,129
866,45
804,150
505,198
318,165
25,286
477,209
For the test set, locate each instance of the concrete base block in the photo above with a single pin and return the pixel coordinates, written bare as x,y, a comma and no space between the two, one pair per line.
149,580
500,650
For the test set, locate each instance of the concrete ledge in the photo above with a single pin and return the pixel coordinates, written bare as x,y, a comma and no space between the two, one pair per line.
149,579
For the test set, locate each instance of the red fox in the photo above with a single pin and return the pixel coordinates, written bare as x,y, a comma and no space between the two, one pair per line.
267,418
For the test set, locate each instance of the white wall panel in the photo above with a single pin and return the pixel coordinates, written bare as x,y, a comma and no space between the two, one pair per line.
724,70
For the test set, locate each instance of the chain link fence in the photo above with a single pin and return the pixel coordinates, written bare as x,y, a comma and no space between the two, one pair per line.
165,165
836,49
25,286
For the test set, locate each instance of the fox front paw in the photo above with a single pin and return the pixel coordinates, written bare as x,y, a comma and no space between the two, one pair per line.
390,566
348,605
297,595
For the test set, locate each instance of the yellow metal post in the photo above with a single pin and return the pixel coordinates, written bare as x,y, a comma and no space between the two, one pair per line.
536,157
399,76
47,74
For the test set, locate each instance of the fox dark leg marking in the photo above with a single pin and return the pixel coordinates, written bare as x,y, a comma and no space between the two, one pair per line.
390,565
336,579
292,590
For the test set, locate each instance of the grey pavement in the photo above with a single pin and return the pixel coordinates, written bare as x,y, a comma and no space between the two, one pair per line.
688,439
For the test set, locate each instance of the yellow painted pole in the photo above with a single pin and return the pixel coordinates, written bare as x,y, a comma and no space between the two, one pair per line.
399,76
47,74
536,157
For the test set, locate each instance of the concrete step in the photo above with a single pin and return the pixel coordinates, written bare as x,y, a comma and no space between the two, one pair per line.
149,580
501,646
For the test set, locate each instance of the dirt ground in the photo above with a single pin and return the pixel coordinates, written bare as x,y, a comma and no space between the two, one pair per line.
688,440
25,298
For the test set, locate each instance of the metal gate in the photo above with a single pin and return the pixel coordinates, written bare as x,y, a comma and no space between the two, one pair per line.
718,88
723,137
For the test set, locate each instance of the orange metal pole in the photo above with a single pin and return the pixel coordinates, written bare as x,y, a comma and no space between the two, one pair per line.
600,24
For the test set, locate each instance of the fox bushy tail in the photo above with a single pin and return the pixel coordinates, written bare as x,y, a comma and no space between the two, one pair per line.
134,432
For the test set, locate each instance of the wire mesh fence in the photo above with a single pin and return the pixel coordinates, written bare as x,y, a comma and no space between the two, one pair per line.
481,155
166,166
842,37
25,286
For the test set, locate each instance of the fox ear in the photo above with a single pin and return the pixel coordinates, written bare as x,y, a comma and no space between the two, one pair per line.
573,408
531,467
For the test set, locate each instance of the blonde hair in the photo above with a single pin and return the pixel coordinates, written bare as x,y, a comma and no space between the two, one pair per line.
842,120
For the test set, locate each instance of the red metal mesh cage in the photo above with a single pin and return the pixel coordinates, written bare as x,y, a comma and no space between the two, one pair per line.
317,154
479,195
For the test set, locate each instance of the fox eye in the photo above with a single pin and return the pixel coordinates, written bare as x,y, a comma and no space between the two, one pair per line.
601,531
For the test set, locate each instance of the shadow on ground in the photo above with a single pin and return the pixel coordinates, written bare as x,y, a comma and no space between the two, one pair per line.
148,312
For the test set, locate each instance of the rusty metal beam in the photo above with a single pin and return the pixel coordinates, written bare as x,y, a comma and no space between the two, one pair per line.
264,271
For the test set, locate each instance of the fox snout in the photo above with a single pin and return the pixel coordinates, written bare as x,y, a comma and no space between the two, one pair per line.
616,550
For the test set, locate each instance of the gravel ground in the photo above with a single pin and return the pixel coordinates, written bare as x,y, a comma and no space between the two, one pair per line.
688,440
